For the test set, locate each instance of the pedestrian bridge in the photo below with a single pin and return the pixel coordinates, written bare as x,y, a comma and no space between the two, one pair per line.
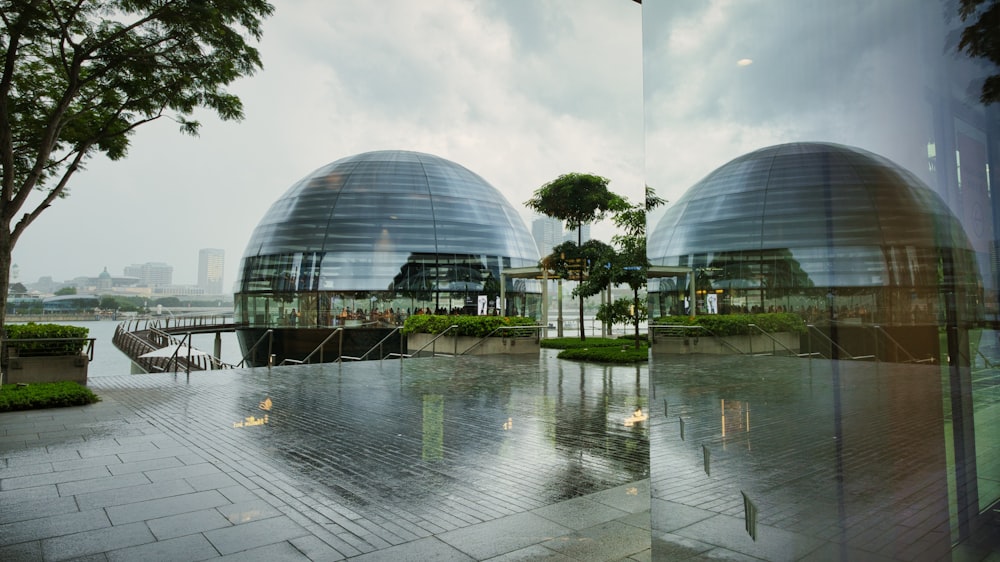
159,344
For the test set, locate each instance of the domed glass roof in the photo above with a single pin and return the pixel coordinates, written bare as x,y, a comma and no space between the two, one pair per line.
846,216
813,227
354,224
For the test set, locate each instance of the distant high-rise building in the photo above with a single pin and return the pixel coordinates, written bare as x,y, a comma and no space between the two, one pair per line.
151,274
211,264
547,233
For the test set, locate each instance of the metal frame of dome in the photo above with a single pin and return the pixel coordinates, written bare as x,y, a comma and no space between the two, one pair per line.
383,230
815,227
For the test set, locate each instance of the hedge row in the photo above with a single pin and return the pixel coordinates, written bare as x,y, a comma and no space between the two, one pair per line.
575,343
31,331
475,326
628,354
44,395
739,324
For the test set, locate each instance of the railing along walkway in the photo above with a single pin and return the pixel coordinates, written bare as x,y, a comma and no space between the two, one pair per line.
138,338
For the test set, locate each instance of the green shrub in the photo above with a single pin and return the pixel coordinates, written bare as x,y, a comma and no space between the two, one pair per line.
631,337
16,334
575,343
619,354
738,324
44,395
475,326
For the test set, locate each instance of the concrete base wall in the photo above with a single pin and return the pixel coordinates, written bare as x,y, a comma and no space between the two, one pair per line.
47,369
745,344
459,345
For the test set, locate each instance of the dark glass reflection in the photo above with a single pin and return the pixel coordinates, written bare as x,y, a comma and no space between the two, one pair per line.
814,227
374,237
872,213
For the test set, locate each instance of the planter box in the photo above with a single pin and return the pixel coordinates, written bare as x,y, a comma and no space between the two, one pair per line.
47,369
449,345
755,344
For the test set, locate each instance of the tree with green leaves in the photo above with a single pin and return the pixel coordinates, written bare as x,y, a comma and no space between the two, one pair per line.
628,263
79,76
981,39
576,199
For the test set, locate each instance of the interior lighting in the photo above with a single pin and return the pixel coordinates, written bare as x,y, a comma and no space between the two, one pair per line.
744,62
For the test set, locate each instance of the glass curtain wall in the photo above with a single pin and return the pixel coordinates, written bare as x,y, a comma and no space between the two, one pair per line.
817,457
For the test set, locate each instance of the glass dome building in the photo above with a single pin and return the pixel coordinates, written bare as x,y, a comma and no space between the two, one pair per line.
831,232
371,238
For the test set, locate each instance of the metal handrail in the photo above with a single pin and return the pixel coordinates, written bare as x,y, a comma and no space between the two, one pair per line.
834,344
686,327
913,359
319,349
536,328
773,340
378,345
268,334
434,339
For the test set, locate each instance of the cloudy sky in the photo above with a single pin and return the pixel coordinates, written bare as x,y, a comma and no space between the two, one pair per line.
725,77
518,91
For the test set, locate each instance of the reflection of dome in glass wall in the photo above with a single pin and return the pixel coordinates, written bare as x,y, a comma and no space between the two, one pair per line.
790,226
372,238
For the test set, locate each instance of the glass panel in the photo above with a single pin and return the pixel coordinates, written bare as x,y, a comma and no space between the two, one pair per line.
833,160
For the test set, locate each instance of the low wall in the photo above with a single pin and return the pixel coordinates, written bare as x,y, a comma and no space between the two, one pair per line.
460,344
47,369
736,344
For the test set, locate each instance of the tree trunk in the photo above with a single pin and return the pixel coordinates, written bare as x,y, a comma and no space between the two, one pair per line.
635,311
6,249
579,244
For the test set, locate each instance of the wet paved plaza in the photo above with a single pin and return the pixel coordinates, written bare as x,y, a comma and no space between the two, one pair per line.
501,458
832,460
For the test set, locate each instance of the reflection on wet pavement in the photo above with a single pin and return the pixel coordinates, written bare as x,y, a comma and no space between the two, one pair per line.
392,451
841,460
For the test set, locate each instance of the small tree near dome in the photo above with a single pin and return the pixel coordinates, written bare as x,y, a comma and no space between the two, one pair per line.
577,199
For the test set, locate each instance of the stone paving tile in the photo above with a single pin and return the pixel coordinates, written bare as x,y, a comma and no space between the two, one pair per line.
25,551
187,471
52,526
212,482
533,553
27,494
7,484
96,541
254,534
27,469
153,509
417,551
315,549
191,548
579,513
500,536
131,494
611,540
99,484
36,508
146,465
245,512
187,523
268,553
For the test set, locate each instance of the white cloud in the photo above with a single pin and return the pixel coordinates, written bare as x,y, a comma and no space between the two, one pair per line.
517,91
